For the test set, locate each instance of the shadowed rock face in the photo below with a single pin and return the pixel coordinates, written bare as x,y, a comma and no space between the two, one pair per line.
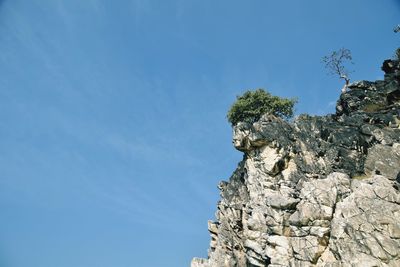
321,191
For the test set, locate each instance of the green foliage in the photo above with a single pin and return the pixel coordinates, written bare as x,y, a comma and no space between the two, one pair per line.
253,104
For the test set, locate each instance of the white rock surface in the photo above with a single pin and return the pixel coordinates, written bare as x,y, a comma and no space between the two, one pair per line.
322,191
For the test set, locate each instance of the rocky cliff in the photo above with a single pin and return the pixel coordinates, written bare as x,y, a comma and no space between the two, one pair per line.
321,191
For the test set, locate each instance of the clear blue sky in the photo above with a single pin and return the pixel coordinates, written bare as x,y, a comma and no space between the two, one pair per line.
113,133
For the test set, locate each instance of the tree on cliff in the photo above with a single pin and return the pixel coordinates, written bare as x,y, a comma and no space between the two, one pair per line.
335,65
253,104
397,54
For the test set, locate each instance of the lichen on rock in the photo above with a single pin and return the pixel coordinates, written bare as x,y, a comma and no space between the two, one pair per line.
320,191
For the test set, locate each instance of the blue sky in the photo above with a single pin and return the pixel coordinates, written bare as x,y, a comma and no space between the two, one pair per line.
113,133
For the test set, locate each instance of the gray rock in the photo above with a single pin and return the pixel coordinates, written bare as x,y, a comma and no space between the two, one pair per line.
320,191
384,160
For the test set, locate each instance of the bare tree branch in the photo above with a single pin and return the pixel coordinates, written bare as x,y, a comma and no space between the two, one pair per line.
334,63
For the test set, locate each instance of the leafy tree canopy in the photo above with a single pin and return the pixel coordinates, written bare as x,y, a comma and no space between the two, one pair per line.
253,104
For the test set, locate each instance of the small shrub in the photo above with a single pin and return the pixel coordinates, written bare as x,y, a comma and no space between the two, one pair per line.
253,104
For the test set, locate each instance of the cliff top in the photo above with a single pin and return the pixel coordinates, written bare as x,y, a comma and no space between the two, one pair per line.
320,191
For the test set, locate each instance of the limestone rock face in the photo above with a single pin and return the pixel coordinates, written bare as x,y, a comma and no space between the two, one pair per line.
321,191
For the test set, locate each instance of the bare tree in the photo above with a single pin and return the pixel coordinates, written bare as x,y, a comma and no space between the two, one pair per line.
335,65
397,53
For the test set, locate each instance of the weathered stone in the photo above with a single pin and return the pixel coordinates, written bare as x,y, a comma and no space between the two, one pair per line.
384,160
320,191
307,249
197,262
278,250
280,201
